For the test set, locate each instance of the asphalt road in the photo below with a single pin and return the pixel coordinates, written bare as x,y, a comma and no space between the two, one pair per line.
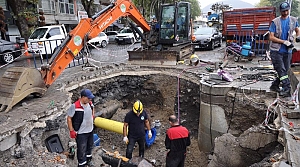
111,54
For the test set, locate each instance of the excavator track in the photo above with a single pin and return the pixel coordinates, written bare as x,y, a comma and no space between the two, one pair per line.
17,83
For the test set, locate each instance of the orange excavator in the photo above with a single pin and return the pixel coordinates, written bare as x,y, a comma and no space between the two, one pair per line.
167,40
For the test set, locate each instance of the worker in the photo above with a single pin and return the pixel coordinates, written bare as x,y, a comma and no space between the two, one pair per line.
177,140
281,44
80,123
194,60
136,120
180,22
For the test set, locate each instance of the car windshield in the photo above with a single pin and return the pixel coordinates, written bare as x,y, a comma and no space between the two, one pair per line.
125,30
204,31
38,33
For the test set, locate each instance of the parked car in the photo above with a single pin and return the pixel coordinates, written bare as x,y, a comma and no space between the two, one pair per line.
45,39
126,36
101,39
9,51
207,37
111,36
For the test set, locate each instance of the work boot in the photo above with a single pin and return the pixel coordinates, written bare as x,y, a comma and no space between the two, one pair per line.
285,93
90,162
275,88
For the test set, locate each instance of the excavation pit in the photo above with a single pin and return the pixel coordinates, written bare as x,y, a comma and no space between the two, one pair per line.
159,95
208,111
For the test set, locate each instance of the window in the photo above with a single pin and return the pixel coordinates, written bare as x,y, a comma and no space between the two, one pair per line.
102,34
48,7
54,31
167,22
3,4
38,33
66,6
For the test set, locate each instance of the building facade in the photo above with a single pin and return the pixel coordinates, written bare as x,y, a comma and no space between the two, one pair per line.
67,12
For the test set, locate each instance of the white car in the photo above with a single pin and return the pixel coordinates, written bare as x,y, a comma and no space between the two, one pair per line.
126,36
45,39
111,35
101,39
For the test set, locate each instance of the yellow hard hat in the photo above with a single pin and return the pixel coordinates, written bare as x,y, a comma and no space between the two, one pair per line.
137,107
194,60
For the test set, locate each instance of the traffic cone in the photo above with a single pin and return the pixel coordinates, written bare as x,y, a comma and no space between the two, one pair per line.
26,49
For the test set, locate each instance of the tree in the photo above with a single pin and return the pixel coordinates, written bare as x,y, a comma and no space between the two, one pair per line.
25,14
2,24
88,7
195,8
276,3
263,3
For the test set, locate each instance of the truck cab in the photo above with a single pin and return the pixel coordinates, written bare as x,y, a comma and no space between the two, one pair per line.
45,39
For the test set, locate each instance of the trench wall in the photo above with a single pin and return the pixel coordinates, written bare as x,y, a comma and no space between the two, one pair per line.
228,109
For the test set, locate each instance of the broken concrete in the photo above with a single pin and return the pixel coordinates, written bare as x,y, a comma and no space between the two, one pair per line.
251,147
237,111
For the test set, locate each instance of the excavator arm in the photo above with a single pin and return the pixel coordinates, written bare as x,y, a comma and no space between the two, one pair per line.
89,28
19,82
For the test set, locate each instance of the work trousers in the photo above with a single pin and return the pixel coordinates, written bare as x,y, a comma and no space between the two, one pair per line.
175,159
281,63
85,143
130,146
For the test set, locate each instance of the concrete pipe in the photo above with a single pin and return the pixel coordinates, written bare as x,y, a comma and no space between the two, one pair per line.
108,124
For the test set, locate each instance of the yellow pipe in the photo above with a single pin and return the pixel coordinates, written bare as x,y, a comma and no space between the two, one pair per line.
108,124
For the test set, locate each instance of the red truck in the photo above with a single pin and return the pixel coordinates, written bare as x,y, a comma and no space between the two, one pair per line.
248,24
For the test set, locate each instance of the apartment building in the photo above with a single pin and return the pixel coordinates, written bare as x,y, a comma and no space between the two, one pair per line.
67,12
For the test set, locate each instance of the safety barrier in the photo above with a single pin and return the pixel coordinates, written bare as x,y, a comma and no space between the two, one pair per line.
259,40
37,55
43,51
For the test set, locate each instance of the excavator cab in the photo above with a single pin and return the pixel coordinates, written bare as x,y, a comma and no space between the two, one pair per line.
174,23
169,40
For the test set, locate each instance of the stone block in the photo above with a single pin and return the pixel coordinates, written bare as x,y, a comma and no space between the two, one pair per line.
8,142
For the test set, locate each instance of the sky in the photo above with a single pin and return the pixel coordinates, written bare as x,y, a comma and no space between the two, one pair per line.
204,3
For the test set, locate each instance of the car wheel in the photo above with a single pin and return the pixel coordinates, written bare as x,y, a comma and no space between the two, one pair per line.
103,44
8,57
236,58
212,45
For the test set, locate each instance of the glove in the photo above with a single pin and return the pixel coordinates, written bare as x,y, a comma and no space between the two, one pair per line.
298,39
149,134
125,139
73,134
287,43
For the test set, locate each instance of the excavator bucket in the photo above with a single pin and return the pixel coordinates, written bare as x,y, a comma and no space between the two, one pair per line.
17,83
